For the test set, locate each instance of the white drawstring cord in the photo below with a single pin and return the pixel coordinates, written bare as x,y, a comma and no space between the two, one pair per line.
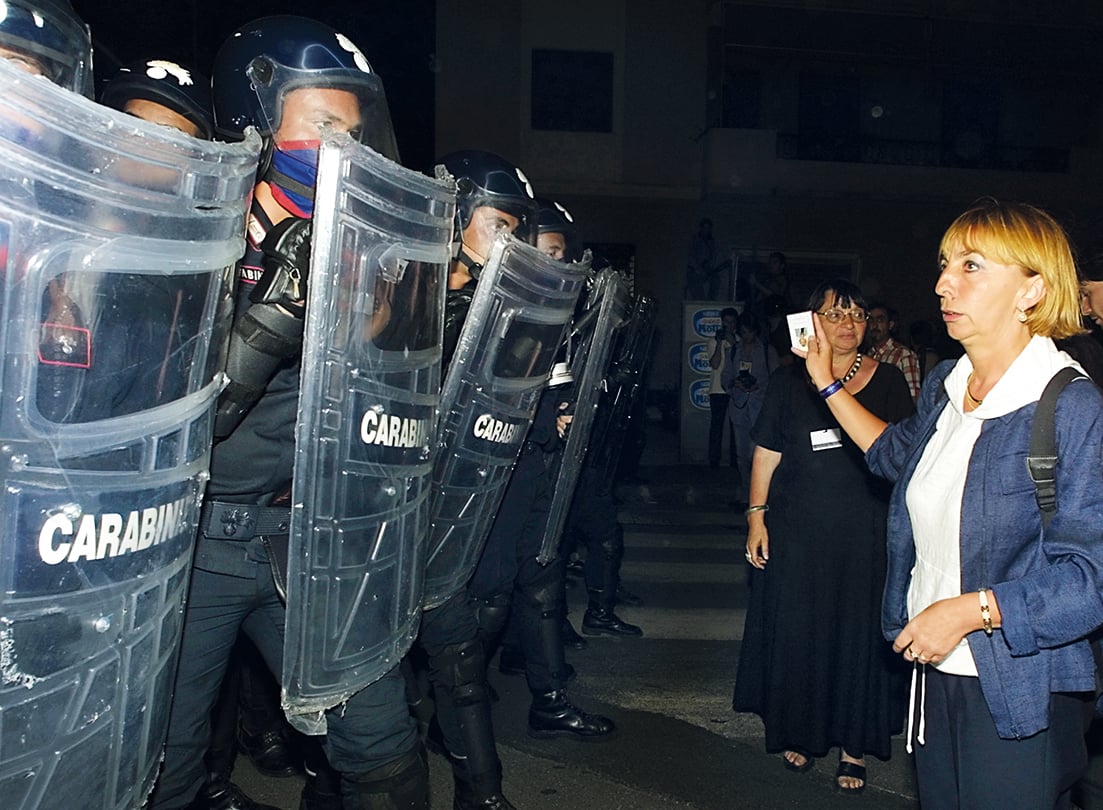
922,738
911,709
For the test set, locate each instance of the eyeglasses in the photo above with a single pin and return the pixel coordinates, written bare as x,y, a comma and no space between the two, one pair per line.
837,315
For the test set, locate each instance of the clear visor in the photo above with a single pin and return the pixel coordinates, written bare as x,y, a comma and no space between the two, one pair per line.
525,214
43,43
272,81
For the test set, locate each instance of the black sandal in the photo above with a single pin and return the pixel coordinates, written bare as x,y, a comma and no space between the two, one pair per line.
809,760
852,770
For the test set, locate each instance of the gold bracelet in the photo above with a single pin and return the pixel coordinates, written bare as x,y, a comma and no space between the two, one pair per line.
985,613
761,507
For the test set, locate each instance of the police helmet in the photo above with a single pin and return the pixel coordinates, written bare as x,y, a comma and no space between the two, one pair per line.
182,90
484,179
553,217
264,60
51,34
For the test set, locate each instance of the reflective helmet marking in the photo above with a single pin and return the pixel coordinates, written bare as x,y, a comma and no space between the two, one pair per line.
162,69
525,181
357,54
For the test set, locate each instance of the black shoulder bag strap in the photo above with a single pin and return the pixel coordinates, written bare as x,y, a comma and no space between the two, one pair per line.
1041,460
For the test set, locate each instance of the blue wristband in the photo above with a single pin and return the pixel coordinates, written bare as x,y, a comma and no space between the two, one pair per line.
834,388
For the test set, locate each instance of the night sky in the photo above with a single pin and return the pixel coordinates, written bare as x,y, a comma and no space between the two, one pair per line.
397,37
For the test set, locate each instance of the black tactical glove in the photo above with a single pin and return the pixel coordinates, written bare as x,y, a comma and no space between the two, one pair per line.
286,250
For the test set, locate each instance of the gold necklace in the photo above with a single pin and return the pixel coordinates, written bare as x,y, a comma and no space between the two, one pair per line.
976,402
853,370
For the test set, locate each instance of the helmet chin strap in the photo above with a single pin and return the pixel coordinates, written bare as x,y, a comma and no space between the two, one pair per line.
465,258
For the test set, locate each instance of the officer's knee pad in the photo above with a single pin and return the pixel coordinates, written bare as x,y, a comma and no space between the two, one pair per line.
459,665
492,613
545,592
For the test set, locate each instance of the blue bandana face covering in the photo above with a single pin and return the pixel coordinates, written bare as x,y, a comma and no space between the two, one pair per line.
296,161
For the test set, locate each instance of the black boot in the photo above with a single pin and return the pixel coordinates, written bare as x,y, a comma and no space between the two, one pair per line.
458,674
467,797
399,785
571,638
552,715
221,794
600,618
269,752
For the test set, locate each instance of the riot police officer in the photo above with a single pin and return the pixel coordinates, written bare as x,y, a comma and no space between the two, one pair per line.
593,513
163,92
290,78
450,632
494,195
94,178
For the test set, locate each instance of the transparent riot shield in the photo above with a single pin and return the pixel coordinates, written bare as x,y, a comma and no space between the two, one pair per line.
618,405
521,308
117,241
369,394
589,345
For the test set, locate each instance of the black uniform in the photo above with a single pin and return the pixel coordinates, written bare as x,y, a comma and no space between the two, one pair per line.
371,738
508,566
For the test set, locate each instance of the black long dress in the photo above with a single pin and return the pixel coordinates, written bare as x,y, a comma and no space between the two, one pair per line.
813,663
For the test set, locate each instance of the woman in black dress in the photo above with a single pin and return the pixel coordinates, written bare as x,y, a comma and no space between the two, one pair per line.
813,663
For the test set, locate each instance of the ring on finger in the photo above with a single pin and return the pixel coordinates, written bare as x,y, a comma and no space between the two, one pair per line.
749,557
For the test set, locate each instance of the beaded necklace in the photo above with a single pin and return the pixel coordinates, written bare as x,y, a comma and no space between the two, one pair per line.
853,370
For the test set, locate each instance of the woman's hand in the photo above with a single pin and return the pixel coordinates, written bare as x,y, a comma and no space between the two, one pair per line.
933,634
817,359
758,542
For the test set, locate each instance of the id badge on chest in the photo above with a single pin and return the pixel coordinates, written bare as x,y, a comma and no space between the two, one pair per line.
827,439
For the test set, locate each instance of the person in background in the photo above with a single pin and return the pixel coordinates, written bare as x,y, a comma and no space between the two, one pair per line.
992,605
719,348
816,540
884,348
745,378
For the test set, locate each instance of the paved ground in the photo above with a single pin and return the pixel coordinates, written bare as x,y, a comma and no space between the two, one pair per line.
679,745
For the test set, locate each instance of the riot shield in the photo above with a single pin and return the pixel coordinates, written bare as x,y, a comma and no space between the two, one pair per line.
369,393
589,345
117,243
618,405
522,305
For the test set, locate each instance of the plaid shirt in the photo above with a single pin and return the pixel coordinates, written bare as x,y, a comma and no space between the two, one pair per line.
903,358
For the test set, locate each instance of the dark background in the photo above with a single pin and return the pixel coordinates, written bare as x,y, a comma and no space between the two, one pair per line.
397,36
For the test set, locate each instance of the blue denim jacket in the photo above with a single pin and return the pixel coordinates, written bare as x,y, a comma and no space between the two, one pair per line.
1049,587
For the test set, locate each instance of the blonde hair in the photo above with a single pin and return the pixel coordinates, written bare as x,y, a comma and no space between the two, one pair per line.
1022,235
